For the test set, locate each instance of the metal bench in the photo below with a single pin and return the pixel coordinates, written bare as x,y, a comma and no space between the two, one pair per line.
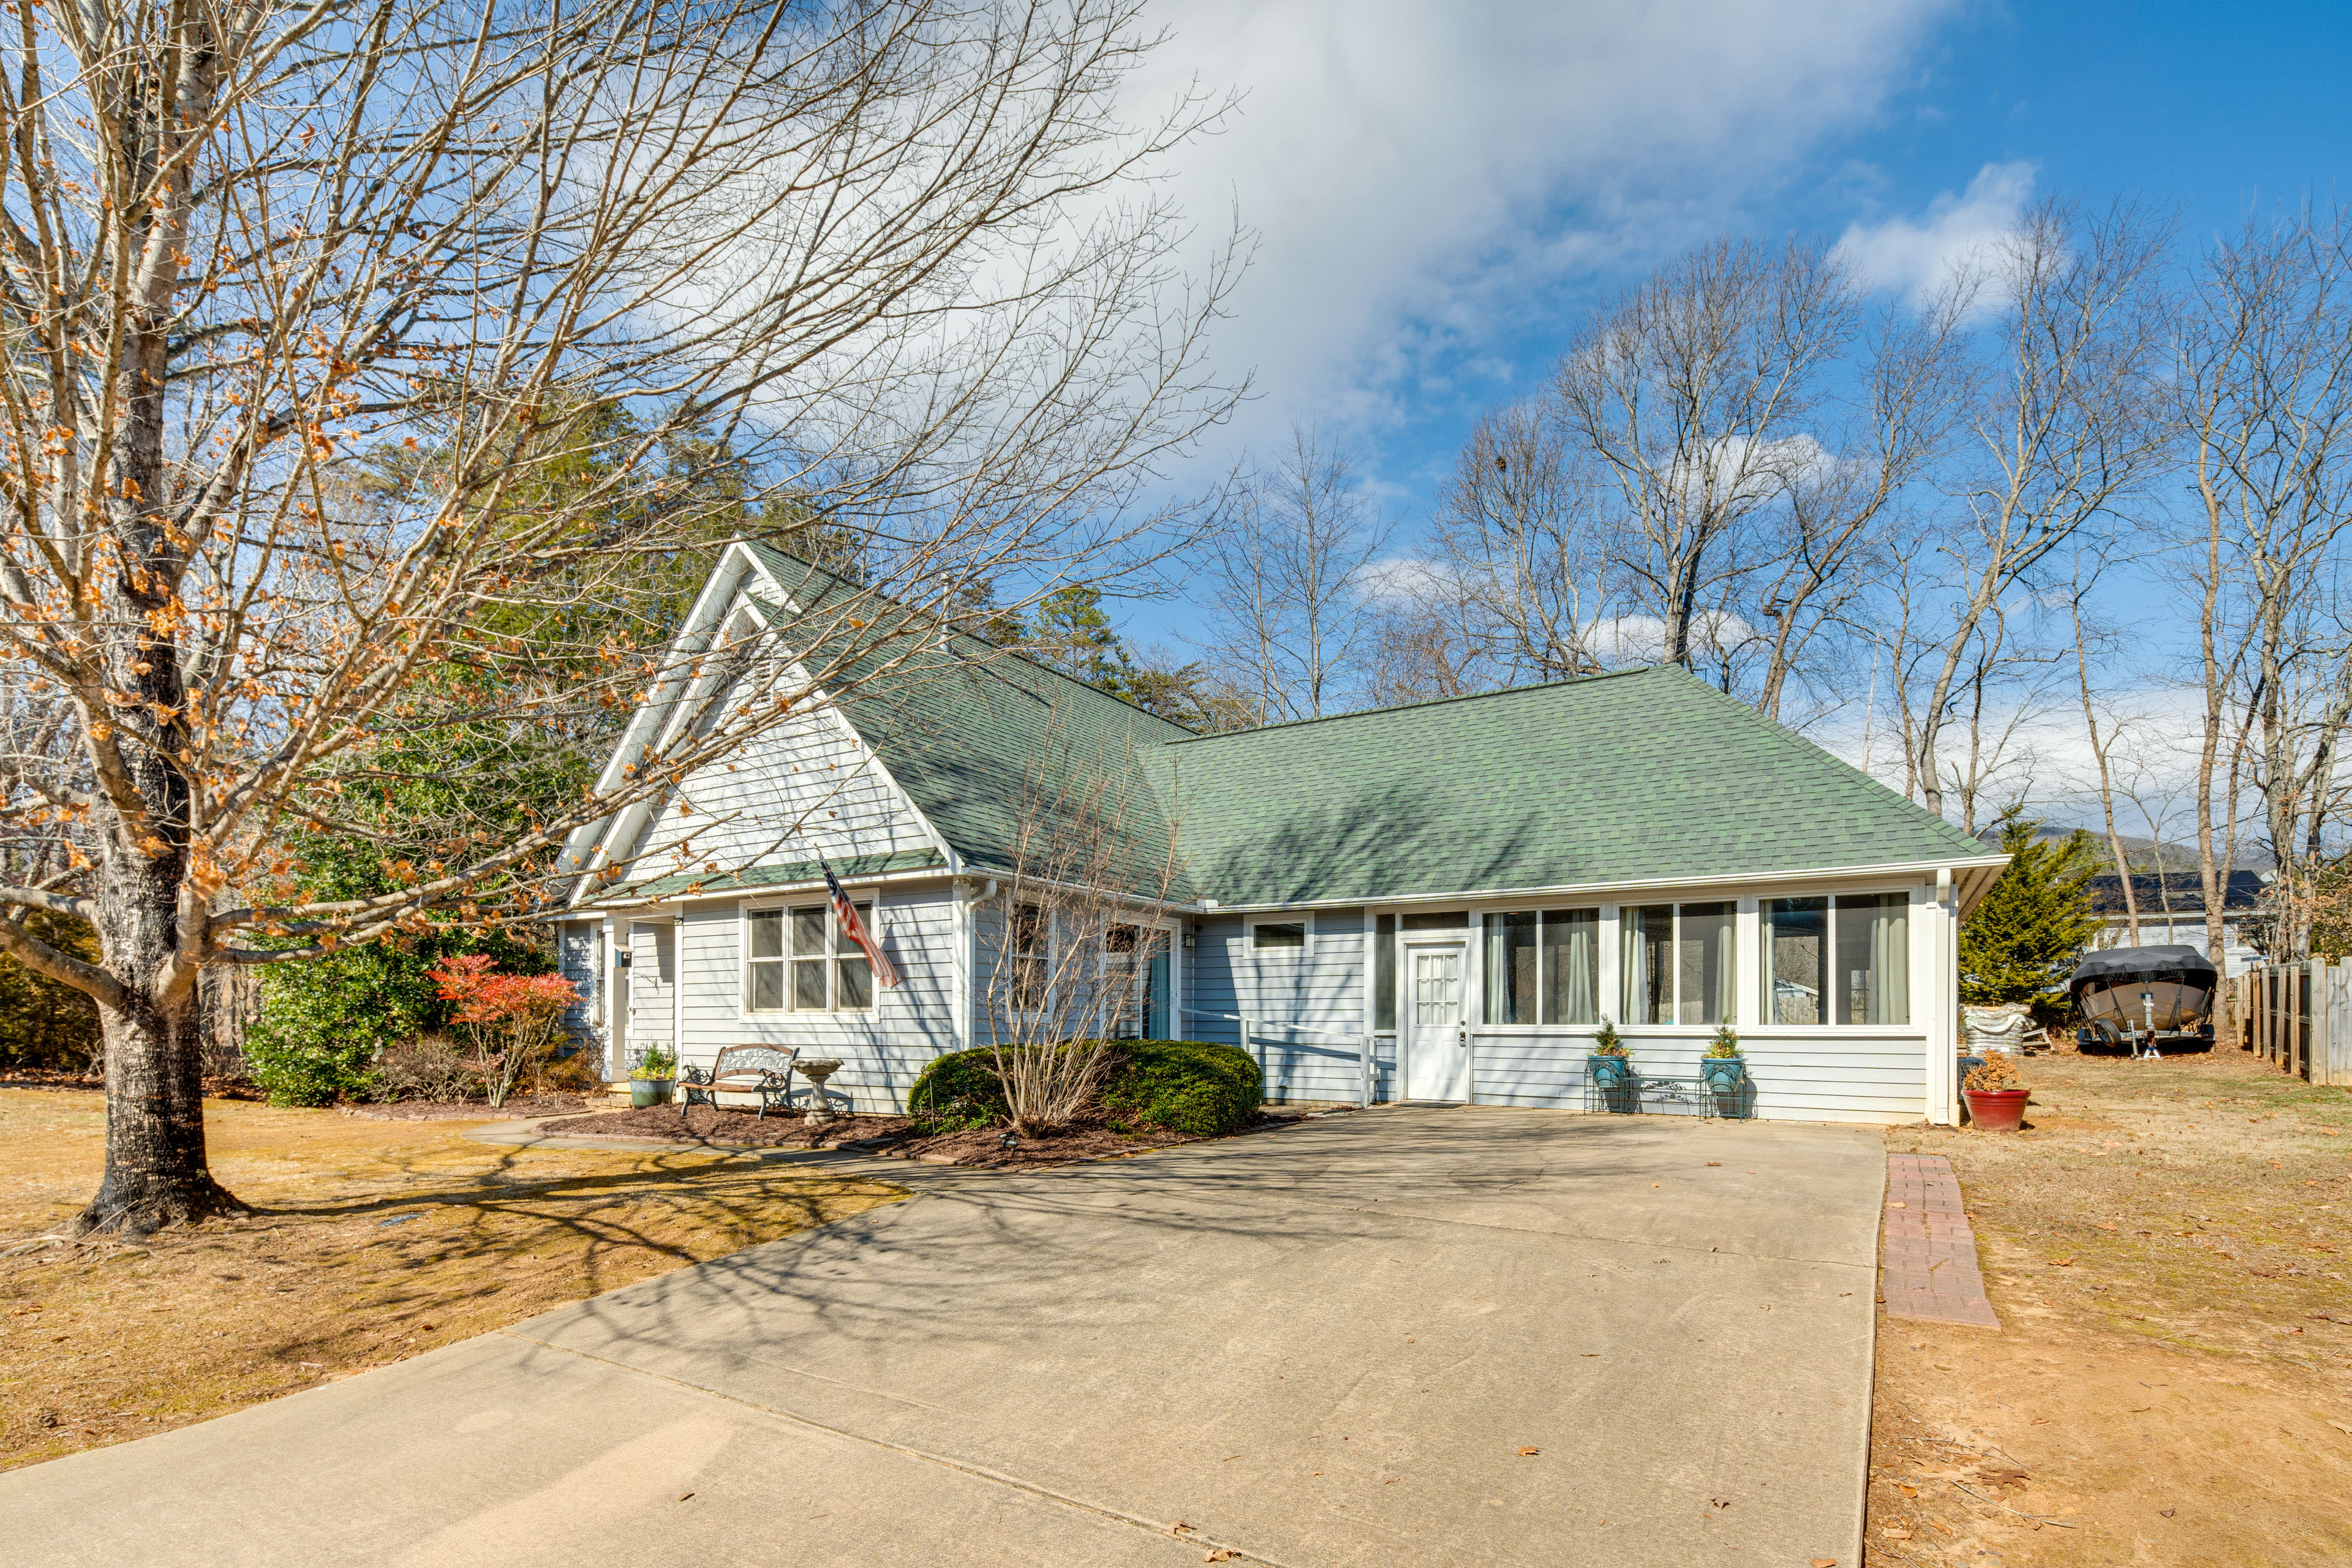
1626,1099
765,1071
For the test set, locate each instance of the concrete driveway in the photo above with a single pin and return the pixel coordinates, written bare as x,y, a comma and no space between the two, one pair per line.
1325,1345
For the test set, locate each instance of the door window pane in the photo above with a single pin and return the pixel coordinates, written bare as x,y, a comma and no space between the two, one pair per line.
1384,984
1571,965
1704,965
1873,977
1796,959
1511,967
1436,988
1645,940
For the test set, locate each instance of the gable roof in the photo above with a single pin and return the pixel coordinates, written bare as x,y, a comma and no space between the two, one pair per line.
1647,776
1643,777
979,737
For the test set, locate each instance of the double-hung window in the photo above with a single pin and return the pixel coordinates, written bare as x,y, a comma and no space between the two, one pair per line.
1676,964
1845,959
1027,936
798,959
1543,966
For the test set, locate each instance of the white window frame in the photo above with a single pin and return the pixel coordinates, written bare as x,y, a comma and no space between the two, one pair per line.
1478,918
1303,920
1160,926
1674,963
834,946
1911,959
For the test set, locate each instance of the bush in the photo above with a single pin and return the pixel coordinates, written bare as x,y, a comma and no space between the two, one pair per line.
1184,1086
429,1067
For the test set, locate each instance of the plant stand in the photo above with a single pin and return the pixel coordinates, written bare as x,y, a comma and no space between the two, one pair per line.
820,1109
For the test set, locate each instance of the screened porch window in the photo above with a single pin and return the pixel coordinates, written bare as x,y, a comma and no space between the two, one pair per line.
1676,964
1384,981
1847,959
1026,956
1543,966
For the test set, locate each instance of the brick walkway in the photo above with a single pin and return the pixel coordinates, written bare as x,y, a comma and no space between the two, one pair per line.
1928,1264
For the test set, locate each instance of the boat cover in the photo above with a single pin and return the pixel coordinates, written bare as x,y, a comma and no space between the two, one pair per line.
2122,964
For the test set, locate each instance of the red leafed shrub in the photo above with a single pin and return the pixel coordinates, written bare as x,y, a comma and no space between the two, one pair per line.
512,1020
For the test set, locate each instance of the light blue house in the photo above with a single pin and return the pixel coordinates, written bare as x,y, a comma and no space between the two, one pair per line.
1435,902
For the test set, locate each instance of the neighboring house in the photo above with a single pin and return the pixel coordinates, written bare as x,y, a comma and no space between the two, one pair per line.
2172,911
1467,886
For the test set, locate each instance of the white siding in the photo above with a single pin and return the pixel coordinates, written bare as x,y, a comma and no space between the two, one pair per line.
1827,1076
882,1051
804,790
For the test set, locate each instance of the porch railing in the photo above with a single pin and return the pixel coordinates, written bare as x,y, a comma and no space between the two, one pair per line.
1365,1043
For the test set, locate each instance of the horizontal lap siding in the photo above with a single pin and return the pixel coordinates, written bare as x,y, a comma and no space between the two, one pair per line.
801,792
1210,993
1321,988
881,1051
1808,1078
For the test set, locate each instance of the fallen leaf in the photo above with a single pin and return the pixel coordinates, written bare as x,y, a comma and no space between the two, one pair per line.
688,1495
1179,1527
1711,1165
1898,1205
1653,1184
1529,1453
1893,1534
1221,1554
2062,1262
2107,1225
2165,1511
1824,1562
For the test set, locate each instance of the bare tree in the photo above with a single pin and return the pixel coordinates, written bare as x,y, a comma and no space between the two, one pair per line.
1068,948
2066,427
1288,577
308,308
1685,394
2265,384
2100,744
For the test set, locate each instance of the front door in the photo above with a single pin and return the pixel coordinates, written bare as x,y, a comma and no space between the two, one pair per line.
1436,1057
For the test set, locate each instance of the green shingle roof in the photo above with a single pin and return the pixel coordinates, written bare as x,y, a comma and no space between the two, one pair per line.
980,739
1647,776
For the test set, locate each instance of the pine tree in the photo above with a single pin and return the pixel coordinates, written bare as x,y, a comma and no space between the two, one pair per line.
2022,942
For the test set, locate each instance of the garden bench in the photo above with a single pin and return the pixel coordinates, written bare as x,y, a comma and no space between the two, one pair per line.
765,1071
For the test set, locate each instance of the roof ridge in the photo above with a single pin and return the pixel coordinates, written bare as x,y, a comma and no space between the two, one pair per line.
1424,702
835,578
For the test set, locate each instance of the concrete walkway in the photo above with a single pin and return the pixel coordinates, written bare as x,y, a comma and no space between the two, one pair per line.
1326,1345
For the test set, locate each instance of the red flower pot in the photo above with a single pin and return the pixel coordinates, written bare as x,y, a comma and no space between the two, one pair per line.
1996,1109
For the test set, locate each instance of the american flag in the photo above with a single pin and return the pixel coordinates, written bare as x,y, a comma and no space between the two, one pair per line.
844,915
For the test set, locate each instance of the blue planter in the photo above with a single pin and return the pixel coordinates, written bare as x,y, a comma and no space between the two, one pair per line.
1723,1074
1608,1072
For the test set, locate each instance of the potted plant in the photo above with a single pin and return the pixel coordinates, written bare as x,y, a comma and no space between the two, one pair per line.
654,1076
1996,1094
1606,1066
1723,1067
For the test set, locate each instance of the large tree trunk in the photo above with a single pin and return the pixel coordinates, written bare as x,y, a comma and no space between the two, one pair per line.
156,1173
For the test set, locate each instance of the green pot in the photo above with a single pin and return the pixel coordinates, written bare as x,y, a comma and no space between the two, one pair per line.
1609,1072
1723,1074
644,1091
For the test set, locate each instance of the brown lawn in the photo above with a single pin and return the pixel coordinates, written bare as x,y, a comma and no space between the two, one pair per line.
110,1343
2166,1247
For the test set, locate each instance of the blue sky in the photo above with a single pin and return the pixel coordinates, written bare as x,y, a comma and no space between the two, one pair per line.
1440,191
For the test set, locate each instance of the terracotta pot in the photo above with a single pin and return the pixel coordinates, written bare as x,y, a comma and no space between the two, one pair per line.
1996,1109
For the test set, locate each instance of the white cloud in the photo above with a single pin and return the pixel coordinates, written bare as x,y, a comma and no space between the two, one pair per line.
1416,172
1916,254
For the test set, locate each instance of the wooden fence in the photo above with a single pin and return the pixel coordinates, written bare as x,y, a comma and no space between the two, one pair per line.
2297,1016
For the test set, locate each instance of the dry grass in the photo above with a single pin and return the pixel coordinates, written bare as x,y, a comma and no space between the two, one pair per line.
115,1343
2166,1247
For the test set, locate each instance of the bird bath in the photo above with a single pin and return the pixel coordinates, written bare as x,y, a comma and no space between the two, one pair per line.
816,1072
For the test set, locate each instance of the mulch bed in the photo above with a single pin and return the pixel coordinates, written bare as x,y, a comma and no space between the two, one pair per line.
890,1135
517,1106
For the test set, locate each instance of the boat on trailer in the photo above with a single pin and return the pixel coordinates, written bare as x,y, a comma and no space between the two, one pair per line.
2137,996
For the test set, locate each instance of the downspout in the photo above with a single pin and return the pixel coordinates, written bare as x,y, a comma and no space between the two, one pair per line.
1944,1040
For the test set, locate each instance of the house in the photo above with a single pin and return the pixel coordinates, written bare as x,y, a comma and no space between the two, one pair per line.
2172,911
1435,902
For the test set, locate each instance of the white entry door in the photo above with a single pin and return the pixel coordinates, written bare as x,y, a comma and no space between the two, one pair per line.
1436,1057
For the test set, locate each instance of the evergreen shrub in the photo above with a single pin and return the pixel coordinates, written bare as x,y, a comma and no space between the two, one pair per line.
1183,1086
